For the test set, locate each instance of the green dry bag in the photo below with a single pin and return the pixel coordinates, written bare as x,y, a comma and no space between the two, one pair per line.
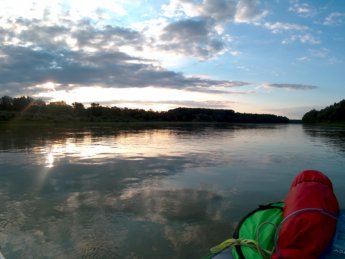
259,225
254,235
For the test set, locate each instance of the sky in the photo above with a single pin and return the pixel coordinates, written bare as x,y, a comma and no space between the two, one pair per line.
284,57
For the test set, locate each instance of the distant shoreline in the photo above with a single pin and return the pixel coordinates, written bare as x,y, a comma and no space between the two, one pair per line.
26,108
105,123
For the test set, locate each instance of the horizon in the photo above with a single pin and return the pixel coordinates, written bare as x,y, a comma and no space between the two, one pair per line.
89,105
268,57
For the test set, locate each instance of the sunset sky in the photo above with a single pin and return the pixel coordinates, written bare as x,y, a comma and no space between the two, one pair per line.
275,56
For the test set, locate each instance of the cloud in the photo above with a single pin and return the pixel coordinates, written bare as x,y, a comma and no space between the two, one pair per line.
84,55
193,28
181,8
290,86
297,32
319,53
220,11
335,18
200,31
25,68
198,26
217,10
303,10
171,104
278,27
303,59
68,34
106,37
248,11
221,89
323,54
74,53
307,38
192,37
302,38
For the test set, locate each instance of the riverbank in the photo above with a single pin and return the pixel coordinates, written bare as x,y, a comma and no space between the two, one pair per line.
129,124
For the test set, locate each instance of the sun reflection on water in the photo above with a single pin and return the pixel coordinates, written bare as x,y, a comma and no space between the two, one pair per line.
124,145
50,160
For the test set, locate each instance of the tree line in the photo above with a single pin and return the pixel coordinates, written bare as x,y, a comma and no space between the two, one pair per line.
331,114
28,109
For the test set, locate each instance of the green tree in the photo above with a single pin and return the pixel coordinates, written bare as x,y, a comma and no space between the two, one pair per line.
79,109
332,113
21,103
6,103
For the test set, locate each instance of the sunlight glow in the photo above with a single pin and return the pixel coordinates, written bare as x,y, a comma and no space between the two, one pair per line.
88,149
121,96
48,86
50,160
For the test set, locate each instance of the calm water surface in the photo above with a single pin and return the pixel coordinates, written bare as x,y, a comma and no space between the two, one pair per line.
148,192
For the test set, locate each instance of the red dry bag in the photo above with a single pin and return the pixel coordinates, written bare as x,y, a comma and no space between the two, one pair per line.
309,217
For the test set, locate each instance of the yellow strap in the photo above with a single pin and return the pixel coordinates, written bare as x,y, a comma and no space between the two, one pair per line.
239,242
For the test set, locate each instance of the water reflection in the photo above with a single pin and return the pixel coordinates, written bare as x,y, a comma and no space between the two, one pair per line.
105,218
332,136
161,192
50,160
98,145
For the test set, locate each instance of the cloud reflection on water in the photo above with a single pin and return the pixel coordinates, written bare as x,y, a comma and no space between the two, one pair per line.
93,147
132,193
98,195
101,224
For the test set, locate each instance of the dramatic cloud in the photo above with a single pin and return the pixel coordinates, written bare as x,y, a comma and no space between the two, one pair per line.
108,37
191,37
191,29
68,34
217,10
290,86
62,49
199,29
72,54
25,68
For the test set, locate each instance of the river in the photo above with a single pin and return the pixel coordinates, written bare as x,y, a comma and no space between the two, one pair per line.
154,191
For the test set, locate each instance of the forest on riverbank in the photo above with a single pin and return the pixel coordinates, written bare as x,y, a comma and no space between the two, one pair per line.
26,108
332,114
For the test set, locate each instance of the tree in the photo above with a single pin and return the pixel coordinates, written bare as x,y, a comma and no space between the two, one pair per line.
333,113
6,103
78,108
21,103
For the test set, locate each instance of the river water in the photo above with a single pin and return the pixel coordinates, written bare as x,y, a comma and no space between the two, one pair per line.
148,191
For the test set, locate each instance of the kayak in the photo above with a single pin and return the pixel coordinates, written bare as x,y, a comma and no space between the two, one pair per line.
307,224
